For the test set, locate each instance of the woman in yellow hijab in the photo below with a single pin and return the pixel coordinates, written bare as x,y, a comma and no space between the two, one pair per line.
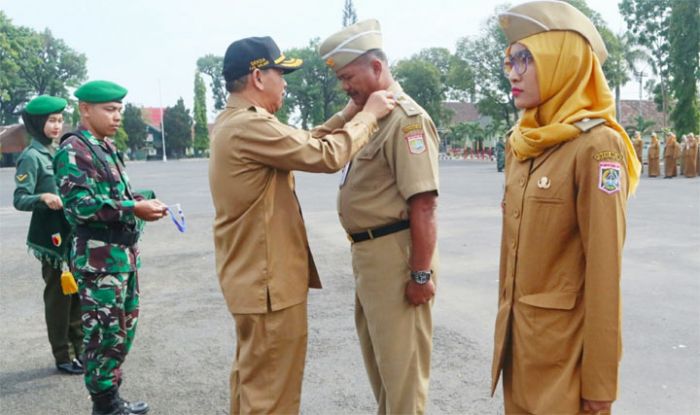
570,168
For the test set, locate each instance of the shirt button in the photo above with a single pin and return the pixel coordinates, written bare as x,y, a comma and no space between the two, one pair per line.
516,214
512,244
522,181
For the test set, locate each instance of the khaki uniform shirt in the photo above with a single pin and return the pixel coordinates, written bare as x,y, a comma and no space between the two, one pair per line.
559,286
262,252
400,161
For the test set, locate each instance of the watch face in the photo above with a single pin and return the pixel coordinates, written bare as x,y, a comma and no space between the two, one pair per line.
421,277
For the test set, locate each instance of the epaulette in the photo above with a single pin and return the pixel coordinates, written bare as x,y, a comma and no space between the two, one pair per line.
588,123
407,105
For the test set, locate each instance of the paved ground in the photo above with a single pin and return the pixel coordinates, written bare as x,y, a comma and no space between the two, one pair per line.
183,350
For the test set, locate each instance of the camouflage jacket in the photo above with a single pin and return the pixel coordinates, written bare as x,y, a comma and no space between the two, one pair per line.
96,200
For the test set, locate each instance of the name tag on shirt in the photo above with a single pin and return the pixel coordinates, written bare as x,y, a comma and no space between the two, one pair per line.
344,174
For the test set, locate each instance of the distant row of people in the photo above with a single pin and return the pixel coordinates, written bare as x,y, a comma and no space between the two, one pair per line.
686,152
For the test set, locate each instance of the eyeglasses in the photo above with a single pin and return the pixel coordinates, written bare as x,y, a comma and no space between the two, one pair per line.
518,61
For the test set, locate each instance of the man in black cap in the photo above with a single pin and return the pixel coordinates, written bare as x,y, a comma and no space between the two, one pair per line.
263,260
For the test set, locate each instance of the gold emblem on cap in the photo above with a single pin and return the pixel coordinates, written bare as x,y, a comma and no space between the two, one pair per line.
257,63
330,62
544,182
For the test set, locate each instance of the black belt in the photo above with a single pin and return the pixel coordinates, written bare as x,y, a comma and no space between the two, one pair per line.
120,235
378,232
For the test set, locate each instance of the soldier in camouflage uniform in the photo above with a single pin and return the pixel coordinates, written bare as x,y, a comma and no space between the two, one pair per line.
106,217
500,155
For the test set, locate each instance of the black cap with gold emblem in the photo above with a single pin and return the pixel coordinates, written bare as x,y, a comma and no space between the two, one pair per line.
245,55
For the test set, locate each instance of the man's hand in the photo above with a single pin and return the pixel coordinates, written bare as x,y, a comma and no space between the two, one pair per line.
52,201
150,210
596,406
418,294
380,103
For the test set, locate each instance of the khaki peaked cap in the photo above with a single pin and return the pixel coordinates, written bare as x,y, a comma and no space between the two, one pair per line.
345,46
539,16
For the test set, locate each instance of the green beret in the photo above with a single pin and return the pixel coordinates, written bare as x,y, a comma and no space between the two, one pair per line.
45,104
100,91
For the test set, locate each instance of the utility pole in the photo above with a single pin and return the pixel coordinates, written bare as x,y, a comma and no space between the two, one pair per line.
162,124
640,76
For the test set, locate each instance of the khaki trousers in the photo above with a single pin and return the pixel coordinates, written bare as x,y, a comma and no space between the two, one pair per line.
269,365
395,337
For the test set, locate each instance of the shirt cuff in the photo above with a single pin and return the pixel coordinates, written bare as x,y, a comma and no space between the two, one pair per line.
366,118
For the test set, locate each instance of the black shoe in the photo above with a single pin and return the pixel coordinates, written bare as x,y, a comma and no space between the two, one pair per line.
71,368
137,407
105,403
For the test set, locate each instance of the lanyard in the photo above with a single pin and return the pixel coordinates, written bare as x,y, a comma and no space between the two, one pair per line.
179,219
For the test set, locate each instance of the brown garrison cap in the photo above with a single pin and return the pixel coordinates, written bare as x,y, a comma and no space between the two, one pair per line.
345,46
534,17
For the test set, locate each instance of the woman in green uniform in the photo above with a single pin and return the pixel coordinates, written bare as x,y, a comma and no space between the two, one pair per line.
48,231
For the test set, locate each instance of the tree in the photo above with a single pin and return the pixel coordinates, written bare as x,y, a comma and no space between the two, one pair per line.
485,54
201,129
624,57
421,81
178,129
349,14
134,127
121,140
31,64
455,74
684,38
314,91
649,21
213,67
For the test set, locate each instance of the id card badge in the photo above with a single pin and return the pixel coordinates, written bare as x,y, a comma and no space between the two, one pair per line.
178,217
344,173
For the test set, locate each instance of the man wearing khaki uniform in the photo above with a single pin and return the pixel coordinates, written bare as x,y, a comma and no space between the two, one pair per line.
263,259
386,203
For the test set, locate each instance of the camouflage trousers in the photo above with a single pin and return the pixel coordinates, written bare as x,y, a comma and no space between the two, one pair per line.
110,310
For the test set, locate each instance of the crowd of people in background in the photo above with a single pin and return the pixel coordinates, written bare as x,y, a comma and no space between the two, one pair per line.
678,157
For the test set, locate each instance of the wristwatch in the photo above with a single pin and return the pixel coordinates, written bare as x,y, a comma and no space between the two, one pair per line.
421,277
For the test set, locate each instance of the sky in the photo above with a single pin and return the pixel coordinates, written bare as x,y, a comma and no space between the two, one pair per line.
151,46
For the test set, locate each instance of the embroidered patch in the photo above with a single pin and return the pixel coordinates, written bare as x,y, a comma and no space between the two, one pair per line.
416,142
608,156
56,239
21,177
411,127
609,177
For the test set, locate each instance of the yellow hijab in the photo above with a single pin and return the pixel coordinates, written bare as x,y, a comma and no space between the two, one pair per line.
572,87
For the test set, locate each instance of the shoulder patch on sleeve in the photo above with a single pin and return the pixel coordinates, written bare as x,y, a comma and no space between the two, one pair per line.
22,177
608,156
609,177
415,140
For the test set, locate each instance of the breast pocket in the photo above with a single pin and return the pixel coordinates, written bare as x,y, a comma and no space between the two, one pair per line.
370,170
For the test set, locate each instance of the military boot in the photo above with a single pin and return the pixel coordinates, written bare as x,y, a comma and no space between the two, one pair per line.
106,403
137,407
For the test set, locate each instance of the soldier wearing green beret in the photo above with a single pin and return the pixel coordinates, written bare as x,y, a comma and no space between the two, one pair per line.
106,217
48,232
